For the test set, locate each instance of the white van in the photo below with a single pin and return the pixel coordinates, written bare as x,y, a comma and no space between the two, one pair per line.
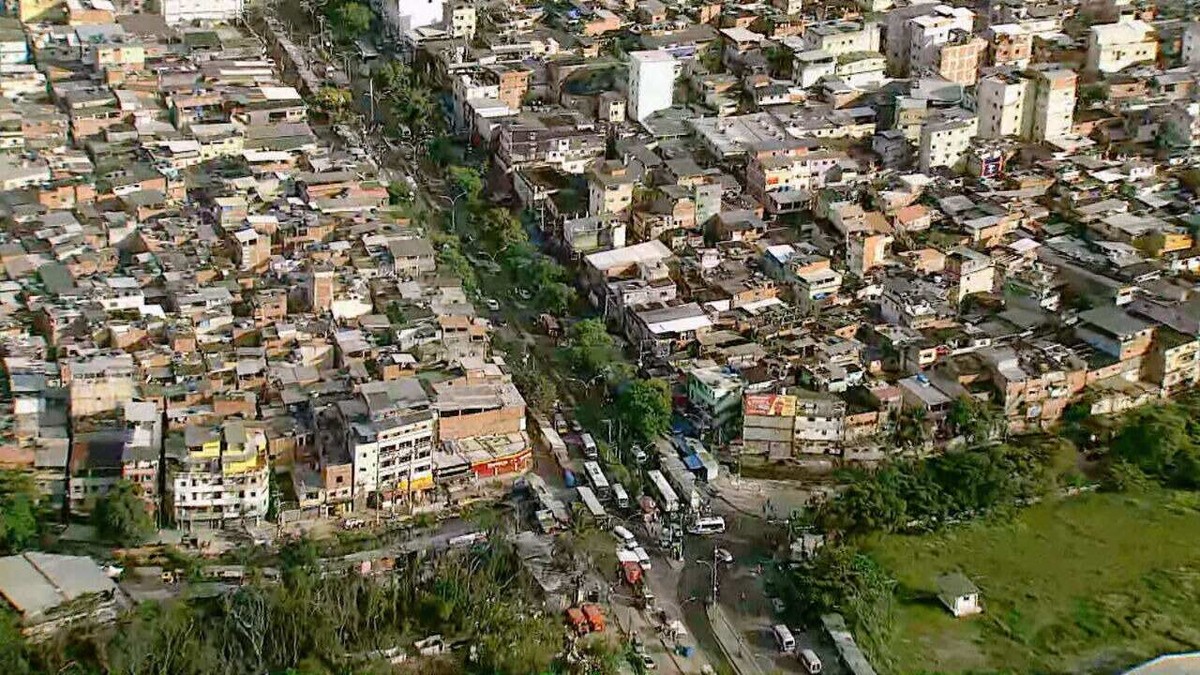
624,536
783,638
708,525
643,557
810,661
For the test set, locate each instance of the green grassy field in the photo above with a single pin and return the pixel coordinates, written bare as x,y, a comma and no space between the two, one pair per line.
1084,585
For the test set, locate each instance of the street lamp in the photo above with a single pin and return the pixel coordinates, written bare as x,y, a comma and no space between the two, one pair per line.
712,566
454,209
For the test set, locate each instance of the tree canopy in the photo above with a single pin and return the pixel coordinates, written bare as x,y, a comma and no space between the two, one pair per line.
18,512
590,350
840,579
974,420
1163,441
466,181
925,493
350,20
319,623
644,408
121,515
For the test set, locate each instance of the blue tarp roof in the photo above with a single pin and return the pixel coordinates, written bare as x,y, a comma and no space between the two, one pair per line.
693,463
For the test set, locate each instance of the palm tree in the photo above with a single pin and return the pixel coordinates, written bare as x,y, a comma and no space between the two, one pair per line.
911,428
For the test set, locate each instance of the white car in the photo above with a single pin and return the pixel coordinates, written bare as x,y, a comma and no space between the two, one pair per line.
624,536
648,663
640,456
492,305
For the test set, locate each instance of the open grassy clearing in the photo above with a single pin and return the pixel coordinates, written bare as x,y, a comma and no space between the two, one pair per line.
1084,585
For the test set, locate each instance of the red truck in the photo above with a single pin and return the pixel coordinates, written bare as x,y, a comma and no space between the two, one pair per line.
577,620
594,616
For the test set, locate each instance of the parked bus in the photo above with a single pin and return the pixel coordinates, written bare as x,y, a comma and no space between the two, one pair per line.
590,449
592,504
708,525
620,496
596,479
666,494
783,638
557,447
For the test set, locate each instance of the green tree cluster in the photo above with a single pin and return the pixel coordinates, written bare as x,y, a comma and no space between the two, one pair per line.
18,512
349,20
928,492
334,102
974,420
540,275
450,259
840,579
467,182
317,623
644,409
590,351
1162,442
121,516
407,101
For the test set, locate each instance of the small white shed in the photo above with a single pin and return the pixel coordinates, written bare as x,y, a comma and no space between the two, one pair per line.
958,594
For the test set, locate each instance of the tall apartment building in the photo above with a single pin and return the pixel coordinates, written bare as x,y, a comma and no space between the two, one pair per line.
1114,47
321,288
959,59
1037,104
129,451
1189,53
556,140
929,32
651,83
390,431
460,19
898,30
1000,102
610,188
401,16
219,474
785,183
842,37
185,11
512,83
1009,44
469,408
1053,106
946,138
99,383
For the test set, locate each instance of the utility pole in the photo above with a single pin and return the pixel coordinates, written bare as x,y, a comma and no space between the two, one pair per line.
371,97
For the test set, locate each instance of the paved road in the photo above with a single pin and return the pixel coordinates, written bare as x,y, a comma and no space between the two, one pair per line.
740,654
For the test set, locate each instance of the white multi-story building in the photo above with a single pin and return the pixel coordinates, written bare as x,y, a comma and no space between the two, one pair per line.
120,294
946,138
1001,99
401,16
185,11
222,475
927,33
1113,47
460,19
820,423
1190,51
843,37
390,432
899,34
1053,106
98,384
1037,104
651,83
